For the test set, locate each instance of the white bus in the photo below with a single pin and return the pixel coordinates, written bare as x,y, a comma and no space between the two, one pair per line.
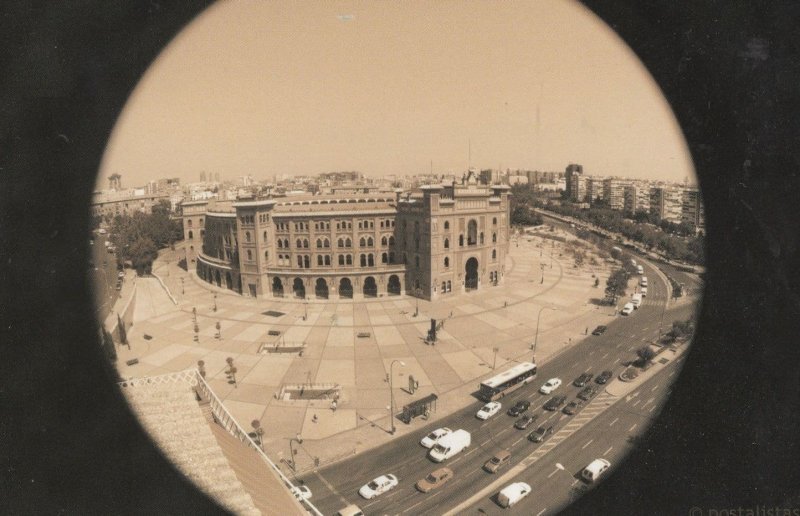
507,381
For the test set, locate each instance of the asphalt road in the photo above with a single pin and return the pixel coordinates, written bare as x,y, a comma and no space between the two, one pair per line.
337,485
103,275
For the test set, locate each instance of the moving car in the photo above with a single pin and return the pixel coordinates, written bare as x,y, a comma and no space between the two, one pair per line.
434,480
555,402
550,385
524,422
643,281
572,407
599,330
450,445
520,407
499,460
378,486
512,494
604,377
644,291
627,309
583,379
540,434
587,393
595,468
429,440
301,492
489,410
350,510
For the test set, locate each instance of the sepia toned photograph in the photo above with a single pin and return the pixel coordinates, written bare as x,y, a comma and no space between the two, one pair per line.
429,257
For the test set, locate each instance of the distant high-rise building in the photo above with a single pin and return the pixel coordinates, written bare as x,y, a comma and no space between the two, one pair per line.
693,212
666,203
636,198
614,192
571,173
203,176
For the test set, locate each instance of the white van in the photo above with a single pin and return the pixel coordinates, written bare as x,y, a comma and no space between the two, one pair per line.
644,291
643,282
628,309
595,468
450,445
636,300
510,495
639,270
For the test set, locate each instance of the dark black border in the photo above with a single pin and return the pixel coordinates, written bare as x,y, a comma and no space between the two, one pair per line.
728,436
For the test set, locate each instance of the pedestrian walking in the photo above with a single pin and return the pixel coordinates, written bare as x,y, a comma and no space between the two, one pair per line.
333,405
314,418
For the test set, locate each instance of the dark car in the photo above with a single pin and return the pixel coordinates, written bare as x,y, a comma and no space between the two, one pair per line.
555,402
603,377
599,330
573,407
583,379
524,422
519,408
540,434
587,393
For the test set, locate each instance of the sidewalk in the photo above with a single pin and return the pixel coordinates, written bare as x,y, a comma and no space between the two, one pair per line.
494,326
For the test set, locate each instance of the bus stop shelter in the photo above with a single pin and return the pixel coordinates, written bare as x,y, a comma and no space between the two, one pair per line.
421,407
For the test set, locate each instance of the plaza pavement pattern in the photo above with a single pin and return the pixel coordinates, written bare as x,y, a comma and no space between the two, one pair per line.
475,323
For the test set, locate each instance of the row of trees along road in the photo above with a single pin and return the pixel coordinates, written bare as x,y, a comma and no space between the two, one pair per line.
138,237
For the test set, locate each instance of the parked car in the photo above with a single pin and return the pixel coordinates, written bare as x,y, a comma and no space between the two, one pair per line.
435,479
525,421
583,379
499,460
378,486
587,393
572,407
429,440
520,407
599,330
540,434
555,402
595,468
604,377
301,492
644,291
550,385
628,309
489,410
350,510
512,494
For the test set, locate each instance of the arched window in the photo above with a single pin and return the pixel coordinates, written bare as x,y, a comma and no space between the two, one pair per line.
349,259
265,236
363,260
384,258
307,261
327,259
360,225
300,261
341,259
472,232
494,221
305,243
384,241
460,240
299,243
447,243
340,243
446,225
371,260
362,242
319,259
280,244
481,237
371,224
446,261
494,238
319,243
286,243
381,224
190,235
391,241
391,256
444,287
266,255
326,243
494,254
246,236
348,243
189,222
449,286
370,242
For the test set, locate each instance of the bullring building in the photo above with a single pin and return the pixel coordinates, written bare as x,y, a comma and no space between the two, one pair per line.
428,243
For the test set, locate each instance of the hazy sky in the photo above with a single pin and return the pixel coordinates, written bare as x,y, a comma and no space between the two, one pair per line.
286,87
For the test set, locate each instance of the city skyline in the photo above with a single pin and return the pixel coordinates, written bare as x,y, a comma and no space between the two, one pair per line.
284,89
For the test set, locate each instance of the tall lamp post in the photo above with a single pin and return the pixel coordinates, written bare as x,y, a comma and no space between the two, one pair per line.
536,337
391,393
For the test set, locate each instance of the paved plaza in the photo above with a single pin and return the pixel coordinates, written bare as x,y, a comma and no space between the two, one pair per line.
501,318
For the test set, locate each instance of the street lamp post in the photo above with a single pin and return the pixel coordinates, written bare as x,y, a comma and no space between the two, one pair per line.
215,302
183,290
536,336
305,310
391,393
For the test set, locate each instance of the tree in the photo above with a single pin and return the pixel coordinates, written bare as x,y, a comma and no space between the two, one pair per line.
141,253
646,355
616,285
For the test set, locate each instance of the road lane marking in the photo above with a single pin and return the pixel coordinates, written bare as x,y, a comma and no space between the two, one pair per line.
612,423
541,512
670,374
632,427
471,451
637,402
608,450
652,409
616,361
655,387
517,441
484,443
587,444
553,473
604,356
588,369
332,489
